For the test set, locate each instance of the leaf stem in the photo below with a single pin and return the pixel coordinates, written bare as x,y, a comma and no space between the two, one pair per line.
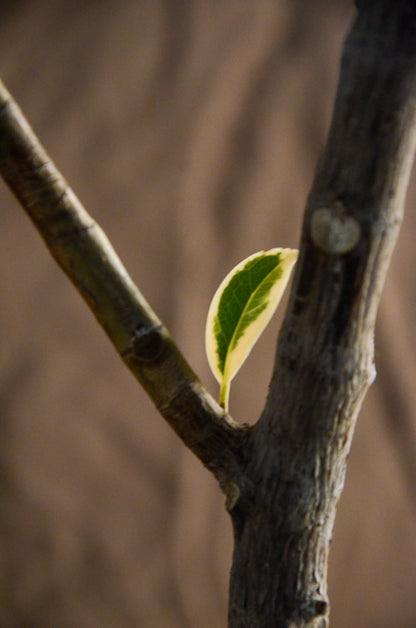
224,394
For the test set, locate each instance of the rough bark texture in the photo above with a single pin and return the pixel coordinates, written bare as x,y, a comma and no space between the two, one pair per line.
324,364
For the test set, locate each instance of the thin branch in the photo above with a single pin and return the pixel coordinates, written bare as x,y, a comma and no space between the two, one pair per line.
83,251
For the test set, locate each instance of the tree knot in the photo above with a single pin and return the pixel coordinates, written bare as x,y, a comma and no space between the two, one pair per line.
314,611
147,342
333,230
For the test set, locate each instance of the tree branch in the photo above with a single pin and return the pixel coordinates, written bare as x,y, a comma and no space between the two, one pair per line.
83,251
283,477
324,360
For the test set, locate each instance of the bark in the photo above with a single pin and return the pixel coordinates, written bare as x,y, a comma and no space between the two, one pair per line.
324,362
283,476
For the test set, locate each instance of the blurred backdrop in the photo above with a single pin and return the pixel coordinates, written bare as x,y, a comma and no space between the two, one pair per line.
190,129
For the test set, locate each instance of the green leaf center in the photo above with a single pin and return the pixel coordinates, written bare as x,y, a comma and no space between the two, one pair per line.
242,302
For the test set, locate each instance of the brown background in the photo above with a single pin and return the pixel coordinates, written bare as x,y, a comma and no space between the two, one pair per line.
190,130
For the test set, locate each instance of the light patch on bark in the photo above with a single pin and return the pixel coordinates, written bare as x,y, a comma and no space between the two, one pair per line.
333,230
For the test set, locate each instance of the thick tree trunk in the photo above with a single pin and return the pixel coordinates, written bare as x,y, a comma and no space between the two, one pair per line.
295,470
